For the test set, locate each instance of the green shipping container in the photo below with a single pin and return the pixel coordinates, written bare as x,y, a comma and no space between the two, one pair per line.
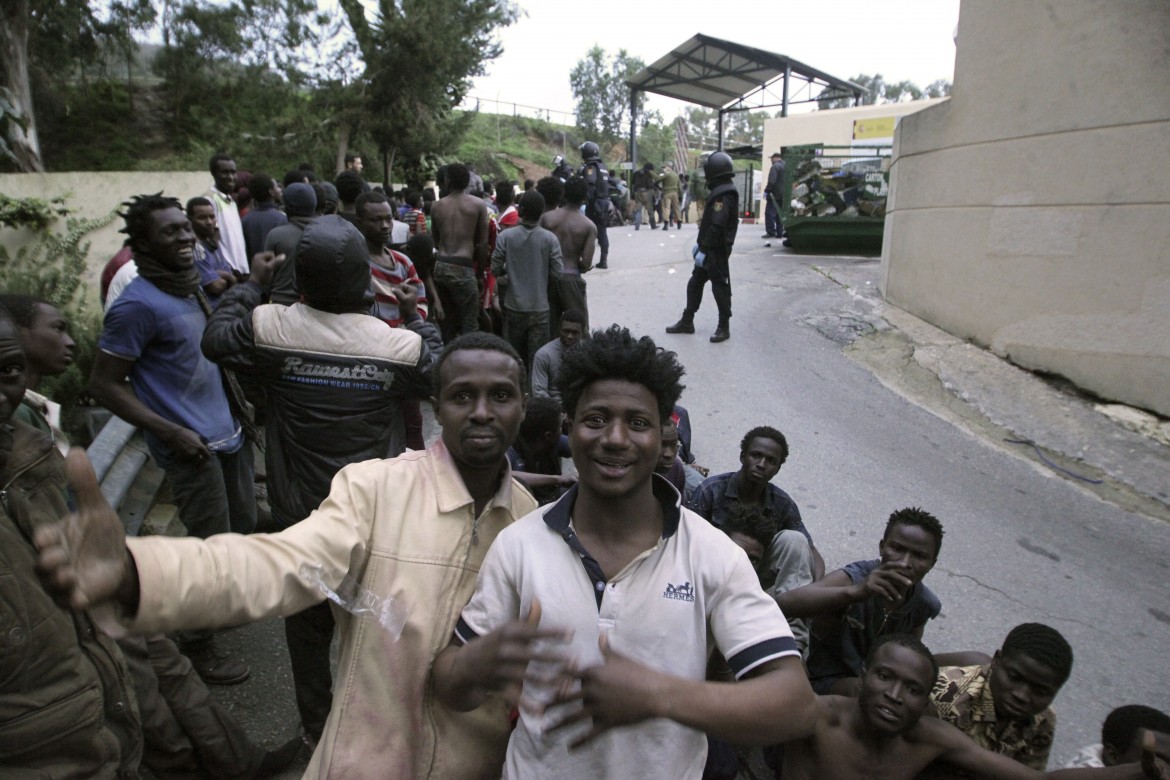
835,198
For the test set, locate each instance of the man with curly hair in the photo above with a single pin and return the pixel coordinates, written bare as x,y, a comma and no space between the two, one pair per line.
626,604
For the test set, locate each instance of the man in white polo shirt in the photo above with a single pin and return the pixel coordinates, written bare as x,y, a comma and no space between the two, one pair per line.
637,584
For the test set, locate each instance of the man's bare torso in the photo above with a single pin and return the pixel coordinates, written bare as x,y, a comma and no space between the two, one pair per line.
459,225
577,234
836,750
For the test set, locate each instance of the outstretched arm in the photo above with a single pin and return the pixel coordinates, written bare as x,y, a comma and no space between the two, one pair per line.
225,579
959,751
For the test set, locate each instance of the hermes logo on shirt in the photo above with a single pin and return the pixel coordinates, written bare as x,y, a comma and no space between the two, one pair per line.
684,592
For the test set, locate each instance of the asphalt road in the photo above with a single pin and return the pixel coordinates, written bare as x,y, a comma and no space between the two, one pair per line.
1021,544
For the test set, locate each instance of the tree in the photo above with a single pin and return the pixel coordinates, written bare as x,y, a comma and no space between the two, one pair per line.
877,90
60,38
656,141
242,73
17,19
603,99
419,57
129,17
939,88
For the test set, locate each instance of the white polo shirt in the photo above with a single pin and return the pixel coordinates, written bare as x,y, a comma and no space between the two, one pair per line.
695,585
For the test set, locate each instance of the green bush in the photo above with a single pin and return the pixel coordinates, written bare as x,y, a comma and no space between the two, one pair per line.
30,212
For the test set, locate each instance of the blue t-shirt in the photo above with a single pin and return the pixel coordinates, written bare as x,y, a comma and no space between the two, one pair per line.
209,262
161,334
838,648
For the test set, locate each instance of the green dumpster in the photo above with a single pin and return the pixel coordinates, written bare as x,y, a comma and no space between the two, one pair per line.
836,198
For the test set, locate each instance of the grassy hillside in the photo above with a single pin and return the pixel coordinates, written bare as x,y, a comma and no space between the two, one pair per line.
515,147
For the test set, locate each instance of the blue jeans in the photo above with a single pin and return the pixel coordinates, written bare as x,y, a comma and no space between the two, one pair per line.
771,217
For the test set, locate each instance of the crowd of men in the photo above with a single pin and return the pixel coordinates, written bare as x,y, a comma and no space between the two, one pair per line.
497,616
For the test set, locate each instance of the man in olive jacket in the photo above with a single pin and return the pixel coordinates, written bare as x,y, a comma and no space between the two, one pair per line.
67,708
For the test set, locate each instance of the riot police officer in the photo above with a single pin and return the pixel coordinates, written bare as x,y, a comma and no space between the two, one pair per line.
597,203
713,249
561,169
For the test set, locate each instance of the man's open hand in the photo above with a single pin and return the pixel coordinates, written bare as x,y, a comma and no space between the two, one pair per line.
83,559
618,692
498,661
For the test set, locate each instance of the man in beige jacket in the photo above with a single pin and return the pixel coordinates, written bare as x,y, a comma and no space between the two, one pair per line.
402,537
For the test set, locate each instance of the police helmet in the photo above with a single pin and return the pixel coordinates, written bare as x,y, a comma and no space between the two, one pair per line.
560,158
590,150
718,166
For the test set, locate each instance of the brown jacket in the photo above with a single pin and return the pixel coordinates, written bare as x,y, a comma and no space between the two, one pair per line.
66,704
402,528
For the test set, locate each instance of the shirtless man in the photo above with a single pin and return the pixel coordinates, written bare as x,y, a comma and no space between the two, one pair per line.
882,735
459,225
578,237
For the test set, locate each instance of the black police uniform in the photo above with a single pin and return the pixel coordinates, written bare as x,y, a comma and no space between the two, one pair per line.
716,237
563,171
597,181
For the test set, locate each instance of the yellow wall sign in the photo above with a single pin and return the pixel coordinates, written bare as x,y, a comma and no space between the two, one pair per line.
878,127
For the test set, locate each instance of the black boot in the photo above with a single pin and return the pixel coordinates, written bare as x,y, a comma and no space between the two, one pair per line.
722,332
685,324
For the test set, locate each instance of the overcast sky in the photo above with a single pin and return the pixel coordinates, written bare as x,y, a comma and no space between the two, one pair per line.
900,39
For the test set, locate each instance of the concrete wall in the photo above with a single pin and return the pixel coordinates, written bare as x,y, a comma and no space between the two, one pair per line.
1030,212
93,195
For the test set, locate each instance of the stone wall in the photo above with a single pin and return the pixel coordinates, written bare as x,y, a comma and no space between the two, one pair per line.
1030,212
92,195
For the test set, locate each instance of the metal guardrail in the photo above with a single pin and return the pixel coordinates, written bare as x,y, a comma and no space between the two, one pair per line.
129,478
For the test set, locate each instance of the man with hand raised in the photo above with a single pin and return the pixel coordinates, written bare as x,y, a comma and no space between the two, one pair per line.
415,528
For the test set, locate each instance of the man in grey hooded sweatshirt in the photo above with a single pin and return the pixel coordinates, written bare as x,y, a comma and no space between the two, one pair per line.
526,258
300,205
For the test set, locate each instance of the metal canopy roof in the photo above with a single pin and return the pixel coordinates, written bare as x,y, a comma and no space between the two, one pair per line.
723,75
